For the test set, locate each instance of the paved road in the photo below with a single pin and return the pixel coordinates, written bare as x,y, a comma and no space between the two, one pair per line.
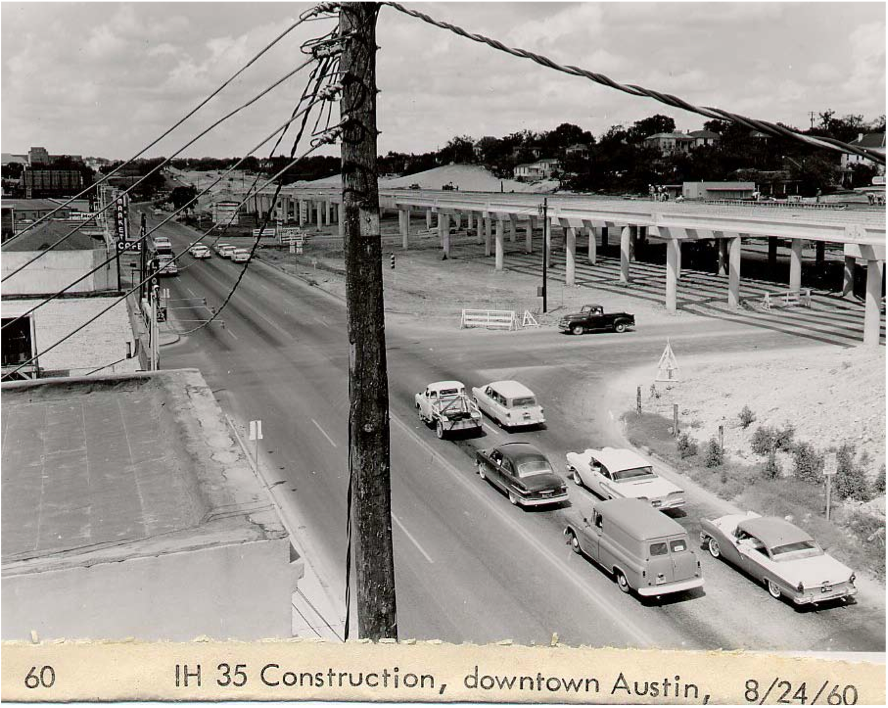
470,567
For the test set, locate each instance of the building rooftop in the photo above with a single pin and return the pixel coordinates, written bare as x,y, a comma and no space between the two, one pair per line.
870,140
106,469
674,136
708,134
31,204
48,232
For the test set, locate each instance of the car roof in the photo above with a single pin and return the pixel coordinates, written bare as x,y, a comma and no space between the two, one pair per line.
773,531
594,305
618,459
511,389
438,385
520,451
644,521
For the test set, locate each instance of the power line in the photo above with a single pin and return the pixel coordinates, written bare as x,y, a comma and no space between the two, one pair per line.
185,206
167,161
140,284
635,90
303,18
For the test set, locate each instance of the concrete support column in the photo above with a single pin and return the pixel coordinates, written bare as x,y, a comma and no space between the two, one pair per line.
722,256
633,242
592,256
327,213
429,219
301,213
871,317
848,276
500,233
734,273
404,226
513,227
673,254
625,237
570,255
319,213
795,264
340,215
479,229
458,219
487,236
772,252
468,222
820,253
444,232
528,236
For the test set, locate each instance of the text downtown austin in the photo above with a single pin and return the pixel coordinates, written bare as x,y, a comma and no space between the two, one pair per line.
274,675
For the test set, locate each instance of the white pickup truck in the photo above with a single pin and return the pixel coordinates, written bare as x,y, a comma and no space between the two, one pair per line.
446,405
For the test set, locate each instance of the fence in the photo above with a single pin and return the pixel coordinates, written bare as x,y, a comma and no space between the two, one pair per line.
268,231
788,298
489,319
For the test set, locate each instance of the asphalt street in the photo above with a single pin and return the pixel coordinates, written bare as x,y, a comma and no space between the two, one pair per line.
469,566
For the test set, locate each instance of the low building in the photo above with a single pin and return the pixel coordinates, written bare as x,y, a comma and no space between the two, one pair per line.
716,191
670,143
28,210
577,150
874,141
541,169
704,138
225,212
130,511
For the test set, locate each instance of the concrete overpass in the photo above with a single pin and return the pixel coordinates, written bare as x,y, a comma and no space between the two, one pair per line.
861,232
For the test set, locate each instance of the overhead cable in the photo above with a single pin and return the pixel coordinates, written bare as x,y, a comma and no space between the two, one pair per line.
666,98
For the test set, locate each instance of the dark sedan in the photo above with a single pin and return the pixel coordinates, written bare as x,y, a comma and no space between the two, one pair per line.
522,472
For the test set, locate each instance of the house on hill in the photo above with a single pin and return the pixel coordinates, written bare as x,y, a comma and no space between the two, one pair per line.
875,141
541,169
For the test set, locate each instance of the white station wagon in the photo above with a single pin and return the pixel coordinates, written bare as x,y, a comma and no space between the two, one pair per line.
617,474
509,403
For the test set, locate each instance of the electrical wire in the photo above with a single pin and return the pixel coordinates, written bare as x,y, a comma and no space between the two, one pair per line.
167,219
147,279
168,160
635,90
303,18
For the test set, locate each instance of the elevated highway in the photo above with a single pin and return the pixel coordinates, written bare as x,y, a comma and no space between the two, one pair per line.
861,232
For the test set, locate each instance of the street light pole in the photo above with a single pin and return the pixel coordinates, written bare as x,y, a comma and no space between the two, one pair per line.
544,212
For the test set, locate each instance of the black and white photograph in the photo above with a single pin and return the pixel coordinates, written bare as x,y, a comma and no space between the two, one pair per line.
557,324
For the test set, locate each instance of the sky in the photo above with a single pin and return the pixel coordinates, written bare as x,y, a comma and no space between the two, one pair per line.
105,79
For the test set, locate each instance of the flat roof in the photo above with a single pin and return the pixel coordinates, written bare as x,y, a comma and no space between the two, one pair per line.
107,469
44,235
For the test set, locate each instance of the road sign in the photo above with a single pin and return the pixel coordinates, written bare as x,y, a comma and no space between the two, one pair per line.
830,464
667,368
255,430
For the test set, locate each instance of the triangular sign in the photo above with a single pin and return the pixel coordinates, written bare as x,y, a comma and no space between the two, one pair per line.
667,369
529,320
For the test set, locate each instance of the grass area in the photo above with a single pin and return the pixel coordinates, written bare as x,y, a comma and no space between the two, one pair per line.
855,538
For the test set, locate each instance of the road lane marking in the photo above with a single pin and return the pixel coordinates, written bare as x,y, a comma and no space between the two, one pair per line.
191,291
231,333
318,319
410,536
324,432
490,427
637,633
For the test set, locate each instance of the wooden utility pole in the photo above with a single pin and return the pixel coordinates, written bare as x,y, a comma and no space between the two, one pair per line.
368,457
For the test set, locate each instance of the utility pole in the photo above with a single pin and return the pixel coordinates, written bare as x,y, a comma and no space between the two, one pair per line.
143,255
369,466
544,212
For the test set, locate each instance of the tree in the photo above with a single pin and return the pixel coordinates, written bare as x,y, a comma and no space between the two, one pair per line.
13,170
652,125
180,196
460,150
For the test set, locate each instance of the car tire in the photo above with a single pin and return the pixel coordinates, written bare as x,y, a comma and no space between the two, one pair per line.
439,430
513,499
577,329
620,327
714,550
622,583
481,473
773,589
575,476
574,542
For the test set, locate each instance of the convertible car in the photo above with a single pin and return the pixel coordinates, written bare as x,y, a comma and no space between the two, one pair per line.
622,474
784,557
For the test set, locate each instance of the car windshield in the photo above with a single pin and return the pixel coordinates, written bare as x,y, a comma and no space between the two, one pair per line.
633,473
526,402
530,468
794,551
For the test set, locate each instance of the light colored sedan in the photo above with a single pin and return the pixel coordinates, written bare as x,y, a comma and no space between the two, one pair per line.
227,251
623,474
509,403
240,255
200,252
221,246
781,555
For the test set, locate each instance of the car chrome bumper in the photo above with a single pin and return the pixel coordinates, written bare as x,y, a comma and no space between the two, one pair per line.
825,596
667,588
667,503
540,501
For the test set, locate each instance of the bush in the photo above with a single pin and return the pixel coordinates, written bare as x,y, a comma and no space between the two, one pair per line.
783,438
687,446
851,481
763,440
747,417
879,482
772,469
807,463
714,456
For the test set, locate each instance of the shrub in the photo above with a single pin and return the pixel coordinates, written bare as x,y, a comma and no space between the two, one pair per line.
772,469
783,438
851,481
763,440
747,417
687,446
879,482
807,463
714,455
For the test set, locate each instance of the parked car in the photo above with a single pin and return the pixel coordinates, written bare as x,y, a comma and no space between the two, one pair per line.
509,403
240,255
523,473
219,246
593,317
227,251
645,550
781,555
623,474
446,405
200,251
